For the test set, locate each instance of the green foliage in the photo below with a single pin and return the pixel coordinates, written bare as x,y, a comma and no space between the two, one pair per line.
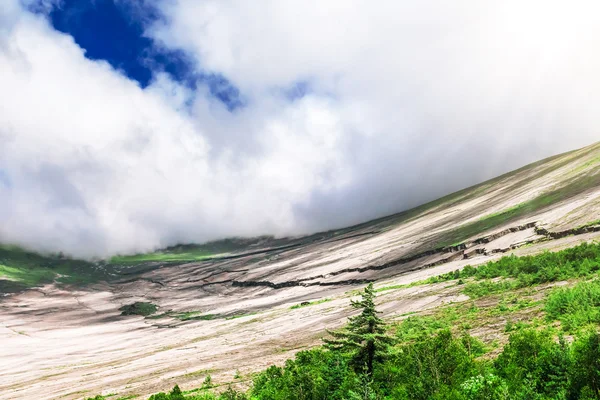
197,252
364,388
427,361
485,387
576,306
533,365
585,369
431,368
27,276
20,269
195,316
364,339
419,327
232,394
533,362
488,287
207,384
175,394
518,272
139,308
314,374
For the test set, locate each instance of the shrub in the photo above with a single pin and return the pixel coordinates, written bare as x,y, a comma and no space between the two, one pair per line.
576,306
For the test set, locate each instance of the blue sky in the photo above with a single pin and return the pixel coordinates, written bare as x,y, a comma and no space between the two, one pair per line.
114,32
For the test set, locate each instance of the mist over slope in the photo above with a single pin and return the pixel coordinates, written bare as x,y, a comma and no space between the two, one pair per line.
242,305
545,200
370,111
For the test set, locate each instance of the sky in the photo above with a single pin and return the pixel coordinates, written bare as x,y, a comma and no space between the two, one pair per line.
128,126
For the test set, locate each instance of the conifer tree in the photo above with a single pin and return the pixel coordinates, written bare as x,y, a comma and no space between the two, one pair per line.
364,338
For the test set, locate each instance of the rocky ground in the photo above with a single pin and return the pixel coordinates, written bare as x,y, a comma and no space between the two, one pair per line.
228,314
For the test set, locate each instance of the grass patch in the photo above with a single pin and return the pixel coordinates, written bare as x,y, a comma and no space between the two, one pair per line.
394,287
488,287
519,211
139,308
581,261
20,269
195,316
196,252
417,327
27,276
236,316
199,373
431,280
309,303
591,163
592,223
464,317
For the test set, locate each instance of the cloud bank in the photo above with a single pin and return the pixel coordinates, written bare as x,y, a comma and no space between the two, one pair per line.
351,110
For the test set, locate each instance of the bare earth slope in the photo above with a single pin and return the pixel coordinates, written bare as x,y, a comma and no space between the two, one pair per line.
233,313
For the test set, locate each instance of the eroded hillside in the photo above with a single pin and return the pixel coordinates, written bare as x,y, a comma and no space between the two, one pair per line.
235,306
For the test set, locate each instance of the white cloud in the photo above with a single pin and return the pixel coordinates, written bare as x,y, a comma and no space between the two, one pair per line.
408,101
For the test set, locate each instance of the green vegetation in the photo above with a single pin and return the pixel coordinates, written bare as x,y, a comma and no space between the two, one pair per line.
139,308
20,269
591,163
418,327
434,356
582,261
364,340
512,272
575,307
532,366
27,276
394,287
197,252
519,211
195,316
236,316
591,223
430,362
198,315
309,303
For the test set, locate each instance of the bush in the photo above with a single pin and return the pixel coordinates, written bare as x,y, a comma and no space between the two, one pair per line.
485,387
585,373
533,362
576,306
579,261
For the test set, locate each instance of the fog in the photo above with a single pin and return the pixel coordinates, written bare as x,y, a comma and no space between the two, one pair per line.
402,102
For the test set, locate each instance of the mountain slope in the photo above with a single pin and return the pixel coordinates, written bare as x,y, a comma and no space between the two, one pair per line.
226,305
